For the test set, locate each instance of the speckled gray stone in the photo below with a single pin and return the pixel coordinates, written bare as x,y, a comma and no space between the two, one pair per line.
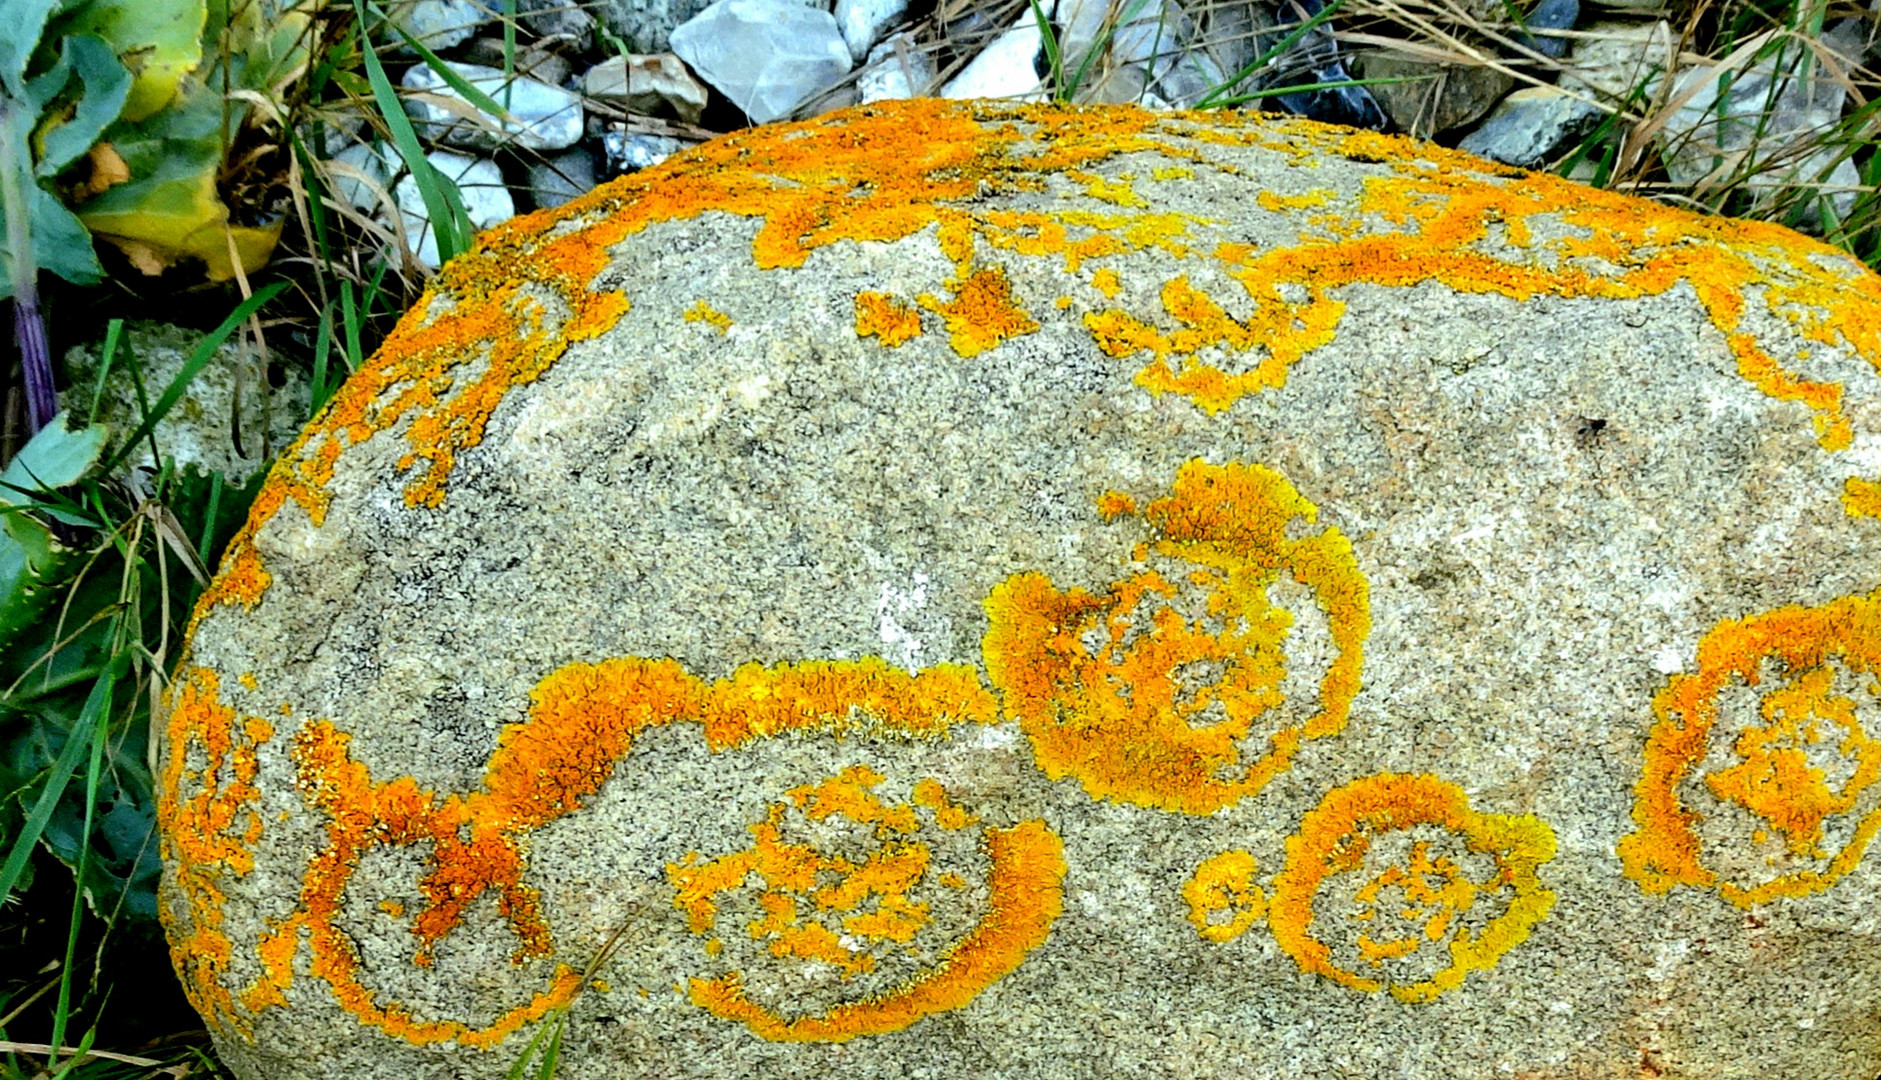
946,590
231,418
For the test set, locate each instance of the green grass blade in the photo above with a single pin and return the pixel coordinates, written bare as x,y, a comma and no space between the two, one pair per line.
1053,58
318,390
443,69
62,1011
349,324
113,331
520,1070
1214,98
553,1052
97,704
205,350
449,222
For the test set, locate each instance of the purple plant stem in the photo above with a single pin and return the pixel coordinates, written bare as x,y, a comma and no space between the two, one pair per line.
29,332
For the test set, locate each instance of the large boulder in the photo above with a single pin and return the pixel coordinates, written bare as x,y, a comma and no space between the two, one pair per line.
962,591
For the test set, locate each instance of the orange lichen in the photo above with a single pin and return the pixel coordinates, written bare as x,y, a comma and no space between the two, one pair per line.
1224,901
1162,711
1273,202
1774,779
206,812
583,720
1432,892
1107,282
982,313
1861,498
836,696
882,316
1112,505
1431,895
702,312
1026,880
809,896
502,314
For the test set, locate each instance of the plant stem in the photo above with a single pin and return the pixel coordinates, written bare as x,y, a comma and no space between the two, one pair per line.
29,330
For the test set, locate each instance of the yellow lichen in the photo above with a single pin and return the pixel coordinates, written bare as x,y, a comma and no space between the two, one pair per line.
881,316
702,312
583,720
1429,895
1026,880
502,314
982,313
1224,900
1162,710
1773,779
810,896
836,696
208,820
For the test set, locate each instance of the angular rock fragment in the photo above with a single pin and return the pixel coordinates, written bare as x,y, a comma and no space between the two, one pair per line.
1532,126
767,56
479,183
647,84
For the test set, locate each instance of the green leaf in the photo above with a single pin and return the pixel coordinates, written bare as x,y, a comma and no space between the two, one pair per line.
107,84
42,88
19,36
170,208
32,567
443,205
164,38
56,457
60,242
77,741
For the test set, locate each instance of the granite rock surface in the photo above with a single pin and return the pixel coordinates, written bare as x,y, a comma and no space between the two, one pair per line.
964,591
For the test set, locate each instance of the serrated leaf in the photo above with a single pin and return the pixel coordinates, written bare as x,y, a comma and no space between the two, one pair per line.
32,568
25,20
106,82
56,457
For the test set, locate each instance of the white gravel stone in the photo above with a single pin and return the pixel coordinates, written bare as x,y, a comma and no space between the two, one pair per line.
862,22
487,200
364,173
1007,68
897,69
542,117
438,24
767,56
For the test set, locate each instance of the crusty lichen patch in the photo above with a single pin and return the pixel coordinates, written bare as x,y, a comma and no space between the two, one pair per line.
501,315
1793,658
207,817
1098,681
1424,898
829,908
583,720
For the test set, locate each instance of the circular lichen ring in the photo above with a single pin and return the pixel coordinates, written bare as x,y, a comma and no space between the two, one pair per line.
1335,839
